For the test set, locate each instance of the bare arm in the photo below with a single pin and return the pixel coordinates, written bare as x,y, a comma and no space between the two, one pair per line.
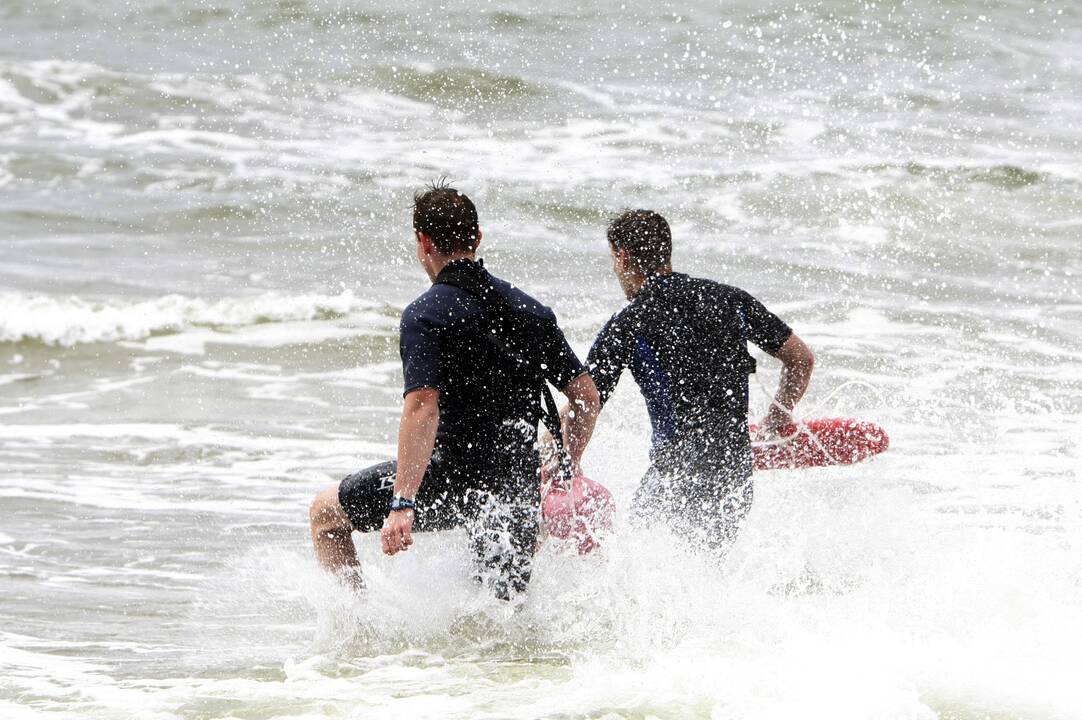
797,363
416,438
577,420
579,416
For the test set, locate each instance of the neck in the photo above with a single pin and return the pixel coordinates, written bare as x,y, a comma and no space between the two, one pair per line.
636,281
439,262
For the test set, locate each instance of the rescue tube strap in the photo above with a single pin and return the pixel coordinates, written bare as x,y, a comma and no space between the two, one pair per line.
472,278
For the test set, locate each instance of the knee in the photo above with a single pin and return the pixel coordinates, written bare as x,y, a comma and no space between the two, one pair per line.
326,514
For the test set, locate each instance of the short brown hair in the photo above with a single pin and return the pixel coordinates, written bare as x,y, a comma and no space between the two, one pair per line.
447,216
645,236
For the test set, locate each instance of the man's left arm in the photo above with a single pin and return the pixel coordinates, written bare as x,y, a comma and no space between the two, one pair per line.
775,337
797,364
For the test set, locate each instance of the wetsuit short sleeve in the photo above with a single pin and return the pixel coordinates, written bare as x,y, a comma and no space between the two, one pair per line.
563,365
609,356
419,347
764,328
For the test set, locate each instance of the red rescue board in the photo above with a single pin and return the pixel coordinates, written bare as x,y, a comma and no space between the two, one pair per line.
819,443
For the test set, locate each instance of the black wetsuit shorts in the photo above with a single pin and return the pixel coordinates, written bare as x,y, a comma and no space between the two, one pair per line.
497,506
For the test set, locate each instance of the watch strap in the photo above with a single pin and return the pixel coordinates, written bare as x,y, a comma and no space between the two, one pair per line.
401,503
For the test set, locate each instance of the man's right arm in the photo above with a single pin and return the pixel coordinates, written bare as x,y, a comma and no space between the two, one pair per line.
416,438
579,417
588,392
583,389
419,348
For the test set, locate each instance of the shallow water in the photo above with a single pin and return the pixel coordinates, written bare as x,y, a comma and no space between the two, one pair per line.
205,244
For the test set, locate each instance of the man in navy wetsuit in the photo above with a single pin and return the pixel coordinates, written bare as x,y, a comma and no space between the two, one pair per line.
476,354
685,341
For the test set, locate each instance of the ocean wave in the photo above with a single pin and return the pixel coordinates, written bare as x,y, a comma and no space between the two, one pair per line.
1002,176
68,321
449,87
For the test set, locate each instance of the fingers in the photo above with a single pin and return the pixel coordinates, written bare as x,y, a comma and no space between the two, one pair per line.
394,541
390,538
396,535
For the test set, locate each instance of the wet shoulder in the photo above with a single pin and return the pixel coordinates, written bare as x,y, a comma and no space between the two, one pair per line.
704,292
440,305
521,300
622,319
619,330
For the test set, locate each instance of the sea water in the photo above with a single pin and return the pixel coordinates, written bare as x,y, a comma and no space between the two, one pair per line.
205,246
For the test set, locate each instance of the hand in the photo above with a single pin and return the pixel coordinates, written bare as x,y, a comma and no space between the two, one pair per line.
396,534
551,476
776,424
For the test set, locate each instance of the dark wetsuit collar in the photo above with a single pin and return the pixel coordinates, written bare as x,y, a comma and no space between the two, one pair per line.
464,263
652,283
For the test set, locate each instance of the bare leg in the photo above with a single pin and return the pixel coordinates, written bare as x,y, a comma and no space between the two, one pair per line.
332,535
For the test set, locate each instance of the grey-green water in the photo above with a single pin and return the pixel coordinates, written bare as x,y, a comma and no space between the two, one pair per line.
205,243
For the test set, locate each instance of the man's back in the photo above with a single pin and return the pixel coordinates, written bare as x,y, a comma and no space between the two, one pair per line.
685,341
450,341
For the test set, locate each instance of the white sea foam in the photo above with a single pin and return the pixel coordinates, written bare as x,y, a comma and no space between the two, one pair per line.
197,436
872,636
73,320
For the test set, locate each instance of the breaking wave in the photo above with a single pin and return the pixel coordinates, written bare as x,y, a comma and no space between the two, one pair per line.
68,321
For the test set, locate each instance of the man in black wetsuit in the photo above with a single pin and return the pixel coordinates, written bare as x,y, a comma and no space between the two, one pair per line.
685,341
476,355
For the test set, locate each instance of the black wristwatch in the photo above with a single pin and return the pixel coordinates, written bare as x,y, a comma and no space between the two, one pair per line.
401,503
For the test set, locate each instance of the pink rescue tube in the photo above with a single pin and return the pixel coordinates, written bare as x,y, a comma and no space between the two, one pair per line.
580,513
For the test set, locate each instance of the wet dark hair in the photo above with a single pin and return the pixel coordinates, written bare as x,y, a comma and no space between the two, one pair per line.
447,216
645,236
